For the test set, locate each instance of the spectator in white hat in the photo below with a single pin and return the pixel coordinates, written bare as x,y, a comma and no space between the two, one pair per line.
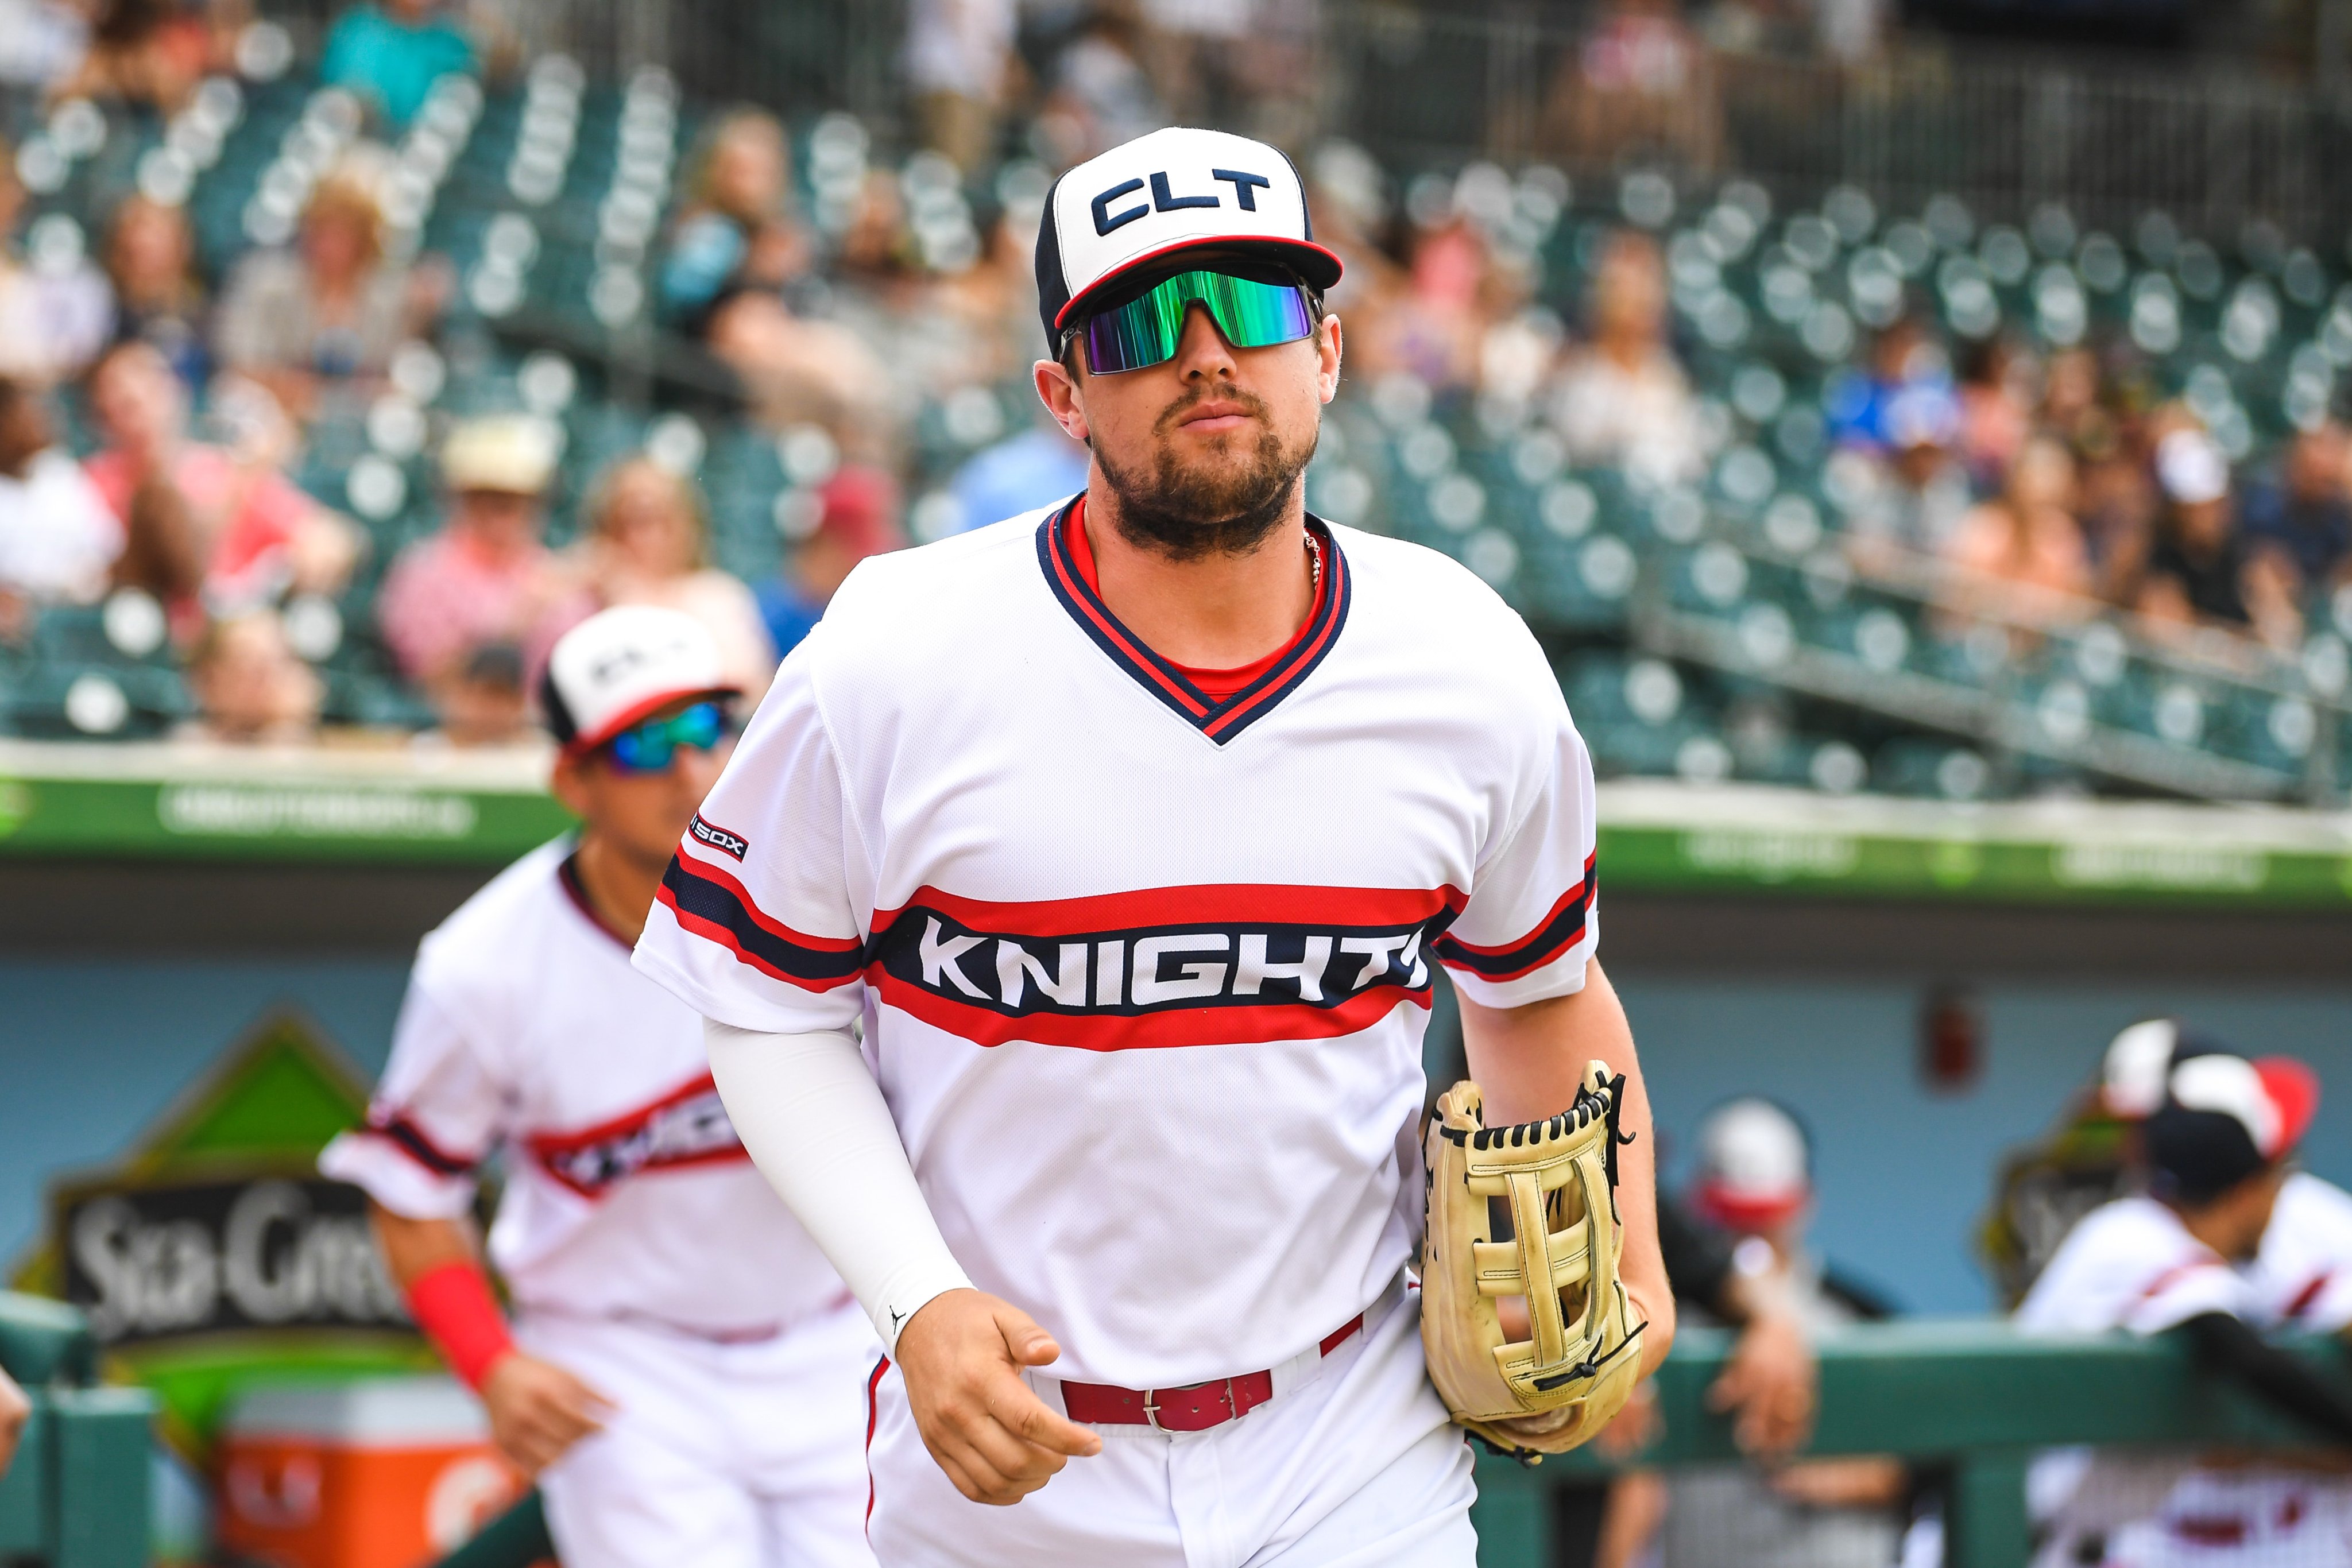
2200,572
487,576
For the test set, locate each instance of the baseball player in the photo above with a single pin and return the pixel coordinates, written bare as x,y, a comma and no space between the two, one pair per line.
2218,1146
2302,1275
682,1371
1130,831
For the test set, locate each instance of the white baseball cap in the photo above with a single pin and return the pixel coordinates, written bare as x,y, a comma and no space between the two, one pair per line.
1755,1170
2191,468
621,666
1171,190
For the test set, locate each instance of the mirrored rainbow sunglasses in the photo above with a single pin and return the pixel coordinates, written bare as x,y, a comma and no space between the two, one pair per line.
1252,313
651,747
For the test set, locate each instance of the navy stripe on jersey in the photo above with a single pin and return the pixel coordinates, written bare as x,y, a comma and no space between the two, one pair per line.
409,1139
711,903
1220,720
1558,931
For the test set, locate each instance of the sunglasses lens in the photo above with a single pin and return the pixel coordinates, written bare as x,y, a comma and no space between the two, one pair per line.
652,745
1145,331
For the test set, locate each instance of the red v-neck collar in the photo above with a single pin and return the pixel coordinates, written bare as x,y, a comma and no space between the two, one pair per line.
1221,704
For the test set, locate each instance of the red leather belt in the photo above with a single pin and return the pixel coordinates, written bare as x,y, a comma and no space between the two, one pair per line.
1191,1409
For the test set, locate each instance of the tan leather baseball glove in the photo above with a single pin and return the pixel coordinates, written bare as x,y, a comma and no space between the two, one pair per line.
1528,1211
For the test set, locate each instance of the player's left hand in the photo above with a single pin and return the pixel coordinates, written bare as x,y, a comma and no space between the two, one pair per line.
1769,1385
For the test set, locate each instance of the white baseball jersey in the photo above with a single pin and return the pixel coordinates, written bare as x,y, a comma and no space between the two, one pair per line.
628,1194
2302,1277
2131,1264
1144,974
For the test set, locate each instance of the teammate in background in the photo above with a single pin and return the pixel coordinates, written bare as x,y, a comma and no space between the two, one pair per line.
682,1373
2302,1277
1130,829
1755,1186
2217,1147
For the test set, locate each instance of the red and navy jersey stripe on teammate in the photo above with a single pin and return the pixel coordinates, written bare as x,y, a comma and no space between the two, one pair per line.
710,904
1558,931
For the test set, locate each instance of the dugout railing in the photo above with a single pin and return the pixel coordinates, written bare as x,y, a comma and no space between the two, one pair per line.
1970,1399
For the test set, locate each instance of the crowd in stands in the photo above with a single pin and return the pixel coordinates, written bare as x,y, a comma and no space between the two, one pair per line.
155,411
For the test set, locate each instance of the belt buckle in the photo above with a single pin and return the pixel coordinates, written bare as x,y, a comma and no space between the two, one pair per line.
1151,1405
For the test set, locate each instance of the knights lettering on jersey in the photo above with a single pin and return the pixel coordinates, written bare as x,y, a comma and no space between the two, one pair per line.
1177,966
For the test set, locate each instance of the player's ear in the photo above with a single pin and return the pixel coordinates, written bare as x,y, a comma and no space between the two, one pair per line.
1326,351
1057,388
568,783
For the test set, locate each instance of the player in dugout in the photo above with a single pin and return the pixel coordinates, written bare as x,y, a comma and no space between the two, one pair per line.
682,1371
1066,923
2217,1148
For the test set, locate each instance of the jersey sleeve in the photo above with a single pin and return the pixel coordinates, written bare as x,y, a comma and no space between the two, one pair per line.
2187,1289
755,925
436,1116
1530,927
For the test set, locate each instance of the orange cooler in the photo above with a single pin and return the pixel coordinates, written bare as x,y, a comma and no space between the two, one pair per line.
388,1472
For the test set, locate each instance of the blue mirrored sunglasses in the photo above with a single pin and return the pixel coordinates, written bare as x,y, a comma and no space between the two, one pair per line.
651,747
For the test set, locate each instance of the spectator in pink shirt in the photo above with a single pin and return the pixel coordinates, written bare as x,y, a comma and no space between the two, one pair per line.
486,576
254,536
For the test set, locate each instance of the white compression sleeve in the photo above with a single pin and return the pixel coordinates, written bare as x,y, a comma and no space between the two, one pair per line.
815,1124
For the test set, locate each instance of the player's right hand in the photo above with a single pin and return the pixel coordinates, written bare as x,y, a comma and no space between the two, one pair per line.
537,1410
961,1356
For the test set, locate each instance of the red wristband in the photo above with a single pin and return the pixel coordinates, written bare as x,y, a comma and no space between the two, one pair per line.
452,1305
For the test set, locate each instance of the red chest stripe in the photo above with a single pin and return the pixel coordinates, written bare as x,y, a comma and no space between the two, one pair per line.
688,1126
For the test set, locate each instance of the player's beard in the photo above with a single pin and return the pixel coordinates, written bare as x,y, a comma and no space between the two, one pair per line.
1223,502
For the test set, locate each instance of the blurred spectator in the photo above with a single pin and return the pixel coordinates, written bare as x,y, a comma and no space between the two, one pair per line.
391,54
733,231
159,299
1623,399
54,311
2024,539
56,533
958,55
250,687
1035,469
1098,94
1755,1183
1919,493
307,320
1642,83
146,52
2198,571
649,543
1863,403
42,43
484,702
859,518
1997,399
486,576
251,534
2298,526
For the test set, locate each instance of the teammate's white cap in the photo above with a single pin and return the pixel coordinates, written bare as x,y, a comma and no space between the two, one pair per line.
2273,1099
623,665
1171,190
2139,1059
1754,1169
